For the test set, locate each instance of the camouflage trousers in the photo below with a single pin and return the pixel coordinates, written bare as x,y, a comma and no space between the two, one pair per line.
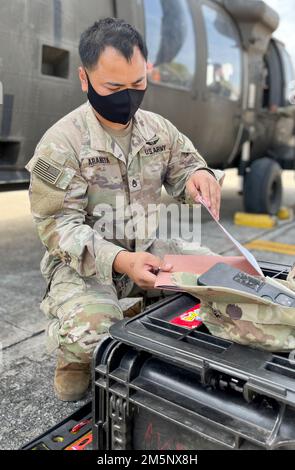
80,310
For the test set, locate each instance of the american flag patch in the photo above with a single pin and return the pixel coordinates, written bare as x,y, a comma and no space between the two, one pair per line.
47,171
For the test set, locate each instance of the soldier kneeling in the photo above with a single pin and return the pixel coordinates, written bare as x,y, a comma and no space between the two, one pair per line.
108,148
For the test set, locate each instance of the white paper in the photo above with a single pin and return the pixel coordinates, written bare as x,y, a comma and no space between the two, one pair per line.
280,286
246,253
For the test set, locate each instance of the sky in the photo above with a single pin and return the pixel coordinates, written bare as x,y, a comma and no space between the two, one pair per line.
286,30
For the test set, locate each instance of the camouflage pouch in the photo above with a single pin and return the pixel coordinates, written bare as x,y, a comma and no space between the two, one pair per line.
244,318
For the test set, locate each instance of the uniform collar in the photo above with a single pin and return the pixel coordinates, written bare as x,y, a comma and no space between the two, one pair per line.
142,132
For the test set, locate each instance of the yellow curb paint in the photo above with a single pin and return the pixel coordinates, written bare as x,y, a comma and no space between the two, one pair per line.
254,220
274,247
285,213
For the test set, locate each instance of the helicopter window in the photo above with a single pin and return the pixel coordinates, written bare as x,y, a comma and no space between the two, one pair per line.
224,56
273,87
55,62
171,42
266,84
289,76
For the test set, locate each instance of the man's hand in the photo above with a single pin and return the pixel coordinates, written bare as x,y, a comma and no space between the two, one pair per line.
202,183
140,267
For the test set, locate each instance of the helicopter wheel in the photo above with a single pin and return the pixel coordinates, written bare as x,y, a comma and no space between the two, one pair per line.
263,187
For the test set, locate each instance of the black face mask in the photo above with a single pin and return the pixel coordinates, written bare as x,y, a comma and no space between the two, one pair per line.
117,107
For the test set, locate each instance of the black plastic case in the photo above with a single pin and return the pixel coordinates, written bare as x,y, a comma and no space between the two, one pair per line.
162,386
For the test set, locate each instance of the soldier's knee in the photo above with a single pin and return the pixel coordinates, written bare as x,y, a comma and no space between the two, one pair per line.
80,329
90,319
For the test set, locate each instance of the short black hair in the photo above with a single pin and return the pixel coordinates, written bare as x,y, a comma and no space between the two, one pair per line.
112,32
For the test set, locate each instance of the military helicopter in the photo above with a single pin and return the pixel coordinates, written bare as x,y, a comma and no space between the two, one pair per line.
214,69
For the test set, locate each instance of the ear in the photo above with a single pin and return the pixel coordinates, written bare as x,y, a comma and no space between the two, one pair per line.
83,79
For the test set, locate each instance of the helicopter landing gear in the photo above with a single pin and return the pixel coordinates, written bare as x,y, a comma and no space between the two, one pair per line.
263,187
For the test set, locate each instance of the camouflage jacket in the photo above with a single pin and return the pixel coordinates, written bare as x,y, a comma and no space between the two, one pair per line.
241,317
77,168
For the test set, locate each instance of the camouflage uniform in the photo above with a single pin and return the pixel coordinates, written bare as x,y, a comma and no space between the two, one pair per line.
242,317
77,166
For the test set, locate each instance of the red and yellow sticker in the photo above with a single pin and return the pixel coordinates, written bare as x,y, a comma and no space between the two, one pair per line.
189,319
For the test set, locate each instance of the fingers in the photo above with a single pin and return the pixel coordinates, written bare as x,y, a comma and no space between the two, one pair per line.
157,263
205,191
215,196
205,184
192,189
198,185
147,280
149,269
217,201
166,267
152,260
